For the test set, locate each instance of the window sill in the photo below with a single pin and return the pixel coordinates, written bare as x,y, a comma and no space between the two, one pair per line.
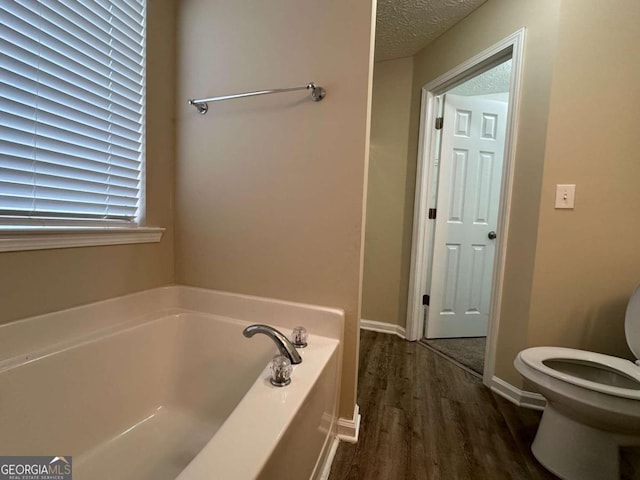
18,238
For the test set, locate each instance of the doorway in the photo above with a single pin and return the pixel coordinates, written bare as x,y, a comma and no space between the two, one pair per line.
467,176
463,191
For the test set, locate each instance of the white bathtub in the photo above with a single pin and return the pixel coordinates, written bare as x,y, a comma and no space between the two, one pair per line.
162,385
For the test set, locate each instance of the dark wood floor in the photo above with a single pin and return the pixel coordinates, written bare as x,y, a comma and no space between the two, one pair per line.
425,418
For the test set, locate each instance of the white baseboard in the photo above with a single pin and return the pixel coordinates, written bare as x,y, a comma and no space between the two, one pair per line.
349,428
521,398
383,327
325,471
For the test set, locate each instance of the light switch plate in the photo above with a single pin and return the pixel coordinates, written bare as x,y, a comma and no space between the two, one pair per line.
565,196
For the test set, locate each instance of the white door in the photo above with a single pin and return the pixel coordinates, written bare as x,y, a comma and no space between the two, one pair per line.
468,197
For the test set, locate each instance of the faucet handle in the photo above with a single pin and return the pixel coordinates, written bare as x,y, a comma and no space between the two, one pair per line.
299,337
280,371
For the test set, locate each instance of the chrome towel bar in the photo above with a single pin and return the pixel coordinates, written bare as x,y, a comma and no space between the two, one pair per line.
317,94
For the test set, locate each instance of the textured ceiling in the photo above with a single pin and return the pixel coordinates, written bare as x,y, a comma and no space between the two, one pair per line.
495,80
403,27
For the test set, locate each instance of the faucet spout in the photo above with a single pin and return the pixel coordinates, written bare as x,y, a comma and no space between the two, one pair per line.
282,342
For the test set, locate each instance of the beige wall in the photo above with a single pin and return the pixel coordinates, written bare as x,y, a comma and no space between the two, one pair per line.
35,282
486,26
588,261
387,253
270,189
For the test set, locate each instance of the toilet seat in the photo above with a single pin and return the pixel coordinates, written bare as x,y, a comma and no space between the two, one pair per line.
534,358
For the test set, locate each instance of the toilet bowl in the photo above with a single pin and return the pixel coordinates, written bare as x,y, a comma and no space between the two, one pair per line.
593,405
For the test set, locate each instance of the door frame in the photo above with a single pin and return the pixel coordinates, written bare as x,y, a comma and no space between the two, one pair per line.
511,46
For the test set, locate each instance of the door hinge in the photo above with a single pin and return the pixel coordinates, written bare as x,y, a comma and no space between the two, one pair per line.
425,300
432,214
439,123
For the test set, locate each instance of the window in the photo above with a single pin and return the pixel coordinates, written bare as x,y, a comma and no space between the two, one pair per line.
72,124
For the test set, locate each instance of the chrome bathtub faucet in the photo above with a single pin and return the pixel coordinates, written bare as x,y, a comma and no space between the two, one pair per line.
284,345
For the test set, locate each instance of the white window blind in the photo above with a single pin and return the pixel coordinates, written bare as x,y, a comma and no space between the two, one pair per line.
72,91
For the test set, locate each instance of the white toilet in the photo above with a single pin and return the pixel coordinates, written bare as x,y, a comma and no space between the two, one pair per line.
593,405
